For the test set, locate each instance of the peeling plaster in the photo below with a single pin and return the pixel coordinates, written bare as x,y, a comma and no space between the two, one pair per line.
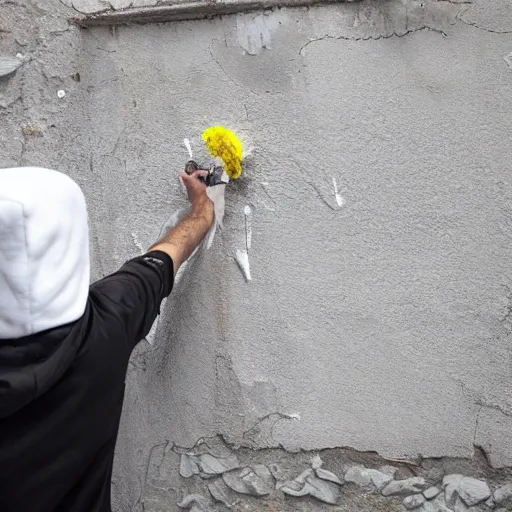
253,33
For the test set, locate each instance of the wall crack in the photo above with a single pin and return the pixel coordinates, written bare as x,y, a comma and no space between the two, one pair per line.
476,25
495,407
479,27
373,38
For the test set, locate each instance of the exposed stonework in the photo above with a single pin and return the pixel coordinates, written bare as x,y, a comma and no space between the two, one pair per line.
431,492
365,477
503,495
404,487
9,65
238,483
470,490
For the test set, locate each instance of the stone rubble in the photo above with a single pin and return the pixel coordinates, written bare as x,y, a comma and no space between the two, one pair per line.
436,505
404,487
324,474
379,478
222,493
460,506
358,475
439,504
195,502
307,473
323,490
451,484
255,481
414,501
431,492
316,462
364,477
490,503
316,482
461,493
276,471
503,495
471,490
9,65
188,466
293,488
212,465
206,464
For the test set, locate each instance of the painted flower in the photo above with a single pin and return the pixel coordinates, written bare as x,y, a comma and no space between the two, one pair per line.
225,144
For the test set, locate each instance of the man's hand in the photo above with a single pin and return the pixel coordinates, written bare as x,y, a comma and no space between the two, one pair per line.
180,241
196,190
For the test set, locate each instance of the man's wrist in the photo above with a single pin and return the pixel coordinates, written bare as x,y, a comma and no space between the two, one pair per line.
203,207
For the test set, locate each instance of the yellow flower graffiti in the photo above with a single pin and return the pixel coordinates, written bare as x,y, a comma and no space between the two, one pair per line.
225,144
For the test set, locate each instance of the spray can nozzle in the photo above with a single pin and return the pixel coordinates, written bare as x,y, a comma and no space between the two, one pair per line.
216,175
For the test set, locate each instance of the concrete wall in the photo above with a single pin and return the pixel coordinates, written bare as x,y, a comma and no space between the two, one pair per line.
377,320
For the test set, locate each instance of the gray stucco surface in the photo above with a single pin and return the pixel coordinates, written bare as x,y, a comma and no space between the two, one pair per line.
383,324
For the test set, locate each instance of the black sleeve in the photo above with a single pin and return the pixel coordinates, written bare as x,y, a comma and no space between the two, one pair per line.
132,295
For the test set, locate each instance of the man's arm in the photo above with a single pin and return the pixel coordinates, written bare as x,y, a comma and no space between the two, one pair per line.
180,241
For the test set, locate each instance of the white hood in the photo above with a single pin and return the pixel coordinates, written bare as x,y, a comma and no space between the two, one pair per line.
44,251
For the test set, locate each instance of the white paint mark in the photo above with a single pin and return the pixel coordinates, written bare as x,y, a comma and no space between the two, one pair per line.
508,60
224,177
211,235
216,194
242,258
188,146
248,151
253,33
294,416
339,199
61,93
137,243
248,227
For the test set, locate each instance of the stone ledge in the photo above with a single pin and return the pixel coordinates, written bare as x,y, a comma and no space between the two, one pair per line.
186,10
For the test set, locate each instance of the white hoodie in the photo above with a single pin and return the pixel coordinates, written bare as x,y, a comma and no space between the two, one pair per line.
44,251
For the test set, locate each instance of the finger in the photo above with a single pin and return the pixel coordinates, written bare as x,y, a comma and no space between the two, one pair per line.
192,178
200,173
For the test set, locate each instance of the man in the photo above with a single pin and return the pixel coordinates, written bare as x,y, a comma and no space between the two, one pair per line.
65,345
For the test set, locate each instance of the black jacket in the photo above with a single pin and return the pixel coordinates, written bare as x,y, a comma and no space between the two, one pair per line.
61,394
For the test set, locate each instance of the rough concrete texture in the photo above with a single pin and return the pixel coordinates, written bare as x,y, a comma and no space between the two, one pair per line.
379,312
